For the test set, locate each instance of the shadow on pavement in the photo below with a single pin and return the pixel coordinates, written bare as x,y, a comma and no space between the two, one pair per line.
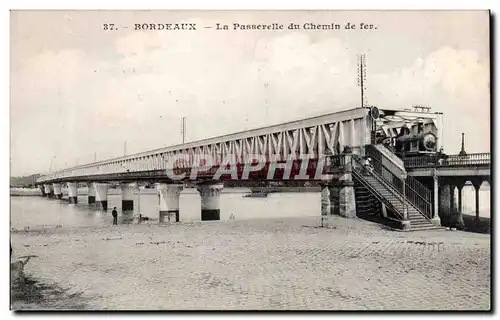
27,293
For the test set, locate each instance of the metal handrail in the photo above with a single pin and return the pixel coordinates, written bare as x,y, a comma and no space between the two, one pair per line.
377,194
399,196
419,203
379,176
431,161
412,190
419,196
380,152
420,162
418,187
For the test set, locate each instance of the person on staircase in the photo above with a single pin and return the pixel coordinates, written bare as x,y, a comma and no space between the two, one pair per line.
367,164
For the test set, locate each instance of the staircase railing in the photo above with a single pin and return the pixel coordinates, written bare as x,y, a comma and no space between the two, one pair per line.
392,162
416,193
419,196
360,171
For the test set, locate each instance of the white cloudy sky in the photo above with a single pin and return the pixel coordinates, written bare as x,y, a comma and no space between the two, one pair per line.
77,90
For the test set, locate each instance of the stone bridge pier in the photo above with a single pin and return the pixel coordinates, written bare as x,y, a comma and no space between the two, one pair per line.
210,200
169,201
448,211
49,191
341,191
57,190
449,206
72,192
102,195
91,193
128,196
42,190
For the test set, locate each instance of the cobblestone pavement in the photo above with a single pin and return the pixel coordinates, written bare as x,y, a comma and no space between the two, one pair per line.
263,264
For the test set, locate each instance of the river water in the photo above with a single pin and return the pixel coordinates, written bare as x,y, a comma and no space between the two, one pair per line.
36,211
469,200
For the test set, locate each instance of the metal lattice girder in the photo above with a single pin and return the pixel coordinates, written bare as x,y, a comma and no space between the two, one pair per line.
322,135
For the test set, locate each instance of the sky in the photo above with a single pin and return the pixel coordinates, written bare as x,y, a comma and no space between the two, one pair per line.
78,92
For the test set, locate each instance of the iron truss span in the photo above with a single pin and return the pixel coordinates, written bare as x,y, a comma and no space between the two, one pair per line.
309,138
323,169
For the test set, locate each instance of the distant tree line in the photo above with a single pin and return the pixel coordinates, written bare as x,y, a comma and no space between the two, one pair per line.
24,181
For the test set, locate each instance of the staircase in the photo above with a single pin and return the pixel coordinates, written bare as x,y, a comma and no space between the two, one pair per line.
366,204
395,192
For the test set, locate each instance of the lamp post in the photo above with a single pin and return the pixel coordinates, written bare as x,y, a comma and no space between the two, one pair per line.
137,217
183,130
138,199
51,162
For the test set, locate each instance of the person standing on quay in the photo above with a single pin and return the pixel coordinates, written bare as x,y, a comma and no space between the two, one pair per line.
115,216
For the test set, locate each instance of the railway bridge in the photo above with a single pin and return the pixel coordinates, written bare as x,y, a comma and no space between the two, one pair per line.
327,149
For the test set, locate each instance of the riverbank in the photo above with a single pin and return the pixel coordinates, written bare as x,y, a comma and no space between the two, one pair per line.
25,192
275,264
